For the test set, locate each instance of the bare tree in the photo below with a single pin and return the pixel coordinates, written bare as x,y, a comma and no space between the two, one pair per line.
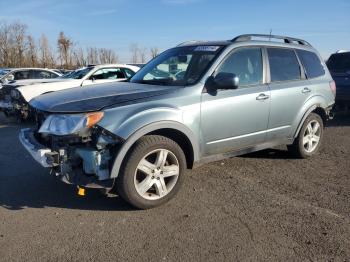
5,44
154,51
79,57
134,50
143,57
18,49
19,37
92,55
107,56
46,55
64,45
32,52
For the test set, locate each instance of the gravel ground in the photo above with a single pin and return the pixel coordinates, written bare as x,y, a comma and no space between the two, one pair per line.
264,206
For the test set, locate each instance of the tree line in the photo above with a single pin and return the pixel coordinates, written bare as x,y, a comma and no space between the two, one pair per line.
19,49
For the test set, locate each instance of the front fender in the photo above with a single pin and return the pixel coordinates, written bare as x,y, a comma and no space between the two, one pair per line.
148,129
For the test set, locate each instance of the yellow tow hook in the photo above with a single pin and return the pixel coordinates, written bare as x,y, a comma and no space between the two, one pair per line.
81,191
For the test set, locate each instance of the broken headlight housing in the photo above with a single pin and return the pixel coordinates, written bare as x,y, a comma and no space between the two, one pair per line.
64,124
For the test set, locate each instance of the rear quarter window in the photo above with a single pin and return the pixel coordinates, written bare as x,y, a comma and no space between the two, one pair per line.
312,64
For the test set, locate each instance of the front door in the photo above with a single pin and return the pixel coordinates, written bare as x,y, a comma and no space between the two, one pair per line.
237,118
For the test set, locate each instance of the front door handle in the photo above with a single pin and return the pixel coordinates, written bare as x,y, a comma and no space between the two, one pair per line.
306,90
262,97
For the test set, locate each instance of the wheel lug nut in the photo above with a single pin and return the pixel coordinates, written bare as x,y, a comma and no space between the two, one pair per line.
152,177
161,172
158,178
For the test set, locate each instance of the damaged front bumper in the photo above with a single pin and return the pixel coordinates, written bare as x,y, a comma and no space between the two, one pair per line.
79,165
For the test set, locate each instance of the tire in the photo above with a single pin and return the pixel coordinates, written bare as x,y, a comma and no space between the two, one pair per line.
309,140
152,172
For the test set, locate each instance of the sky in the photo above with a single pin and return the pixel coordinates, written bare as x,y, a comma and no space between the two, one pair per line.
116,24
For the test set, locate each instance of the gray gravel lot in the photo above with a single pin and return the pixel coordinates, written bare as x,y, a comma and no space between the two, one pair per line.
264,206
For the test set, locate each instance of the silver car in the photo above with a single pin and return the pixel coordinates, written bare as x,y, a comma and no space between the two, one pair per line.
193,104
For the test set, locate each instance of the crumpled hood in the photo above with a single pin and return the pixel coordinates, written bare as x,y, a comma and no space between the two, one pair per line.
97,97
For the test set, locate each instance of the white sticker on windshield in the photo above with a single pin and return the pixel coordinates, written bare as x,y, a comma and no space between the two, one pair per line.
206,48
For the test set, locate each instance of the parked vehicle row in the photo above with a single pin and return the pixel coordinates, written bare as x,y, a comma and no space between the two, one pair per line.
194,103
17,95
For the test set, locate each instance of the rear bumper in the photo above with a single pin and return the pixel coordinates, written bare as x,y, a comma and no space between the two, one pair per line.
36,150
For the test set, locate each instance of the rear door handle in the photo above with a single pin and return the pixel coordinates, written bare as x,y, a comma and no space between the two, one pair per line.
306,90
262,97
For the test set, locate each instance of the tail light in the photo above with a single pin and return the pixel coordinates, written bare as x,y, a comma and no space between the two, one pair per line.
333,87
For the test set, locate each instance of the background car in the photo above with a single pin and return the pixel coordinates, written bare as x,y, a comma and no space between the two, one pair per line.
22,93
27,73
339,67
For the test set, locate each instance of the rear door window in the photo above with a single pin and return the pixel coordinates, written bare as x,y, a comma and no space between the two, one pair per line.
108,73
40,74
284,65
312,64
129,73
19,75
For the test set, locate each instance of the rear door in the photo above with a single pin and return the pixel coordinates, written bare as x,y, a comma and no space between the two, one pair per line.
237,118
289,91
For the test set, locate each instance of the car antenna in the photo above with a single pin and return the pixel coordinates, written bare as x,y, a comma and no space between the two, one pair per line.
270,35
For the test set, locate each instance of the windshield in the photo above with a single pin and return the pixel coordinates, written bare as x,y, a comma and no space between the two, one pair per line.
78,74
180,66
339,62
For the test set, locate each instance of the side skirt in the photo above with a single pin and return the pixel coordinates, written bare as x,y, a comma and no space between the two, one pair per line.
243,151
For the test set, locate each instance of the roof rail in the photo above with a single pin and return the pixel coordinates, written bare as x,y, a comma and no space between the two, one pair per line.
286,39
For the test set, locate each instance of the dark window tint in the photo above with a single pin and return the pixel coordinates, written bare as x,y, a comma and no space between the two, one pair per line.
311,63
245,63
284,65
19,75
108,73
339,62
39,74
129,73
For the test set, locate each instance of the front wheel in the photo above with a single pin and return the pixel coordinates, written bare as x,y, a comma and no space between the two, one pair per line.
152,172
309,139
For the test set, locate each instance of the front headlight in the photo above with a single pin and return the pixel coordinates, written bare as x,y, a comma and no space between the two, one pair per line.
70,124
15,94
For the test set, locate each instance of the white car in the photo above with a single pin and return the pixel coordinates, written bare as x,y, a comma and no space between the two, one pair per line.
8,75
22,93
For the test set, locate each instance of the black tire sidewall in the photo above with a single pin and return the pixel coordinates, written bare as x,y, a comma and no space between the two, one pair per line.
125,181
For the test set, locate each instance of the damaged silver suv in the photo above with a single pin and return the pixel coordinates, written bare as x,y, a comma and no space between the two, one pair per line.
195,103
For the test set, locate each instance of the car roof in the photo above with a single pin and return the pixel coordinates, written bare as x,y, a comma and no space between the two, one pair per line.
256,39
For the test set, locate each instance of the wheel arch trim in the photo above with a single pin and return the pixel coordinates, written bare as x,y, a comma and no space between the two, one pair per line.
129,142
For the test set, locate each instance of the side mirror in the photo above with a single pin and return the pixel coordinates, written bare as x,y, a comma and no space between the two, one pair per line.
224,81
92,78
10,77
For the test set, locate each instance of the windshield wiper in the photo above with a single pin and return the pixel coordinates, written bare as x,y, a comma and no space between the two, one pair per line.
163,81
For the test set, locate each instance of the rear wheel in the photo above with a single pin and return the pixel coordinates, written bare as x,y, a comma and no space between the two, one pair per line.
152,172
309,139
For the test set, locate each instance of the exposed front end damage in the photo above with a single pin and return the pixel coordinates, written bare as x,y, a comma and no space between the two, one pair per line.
84,159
